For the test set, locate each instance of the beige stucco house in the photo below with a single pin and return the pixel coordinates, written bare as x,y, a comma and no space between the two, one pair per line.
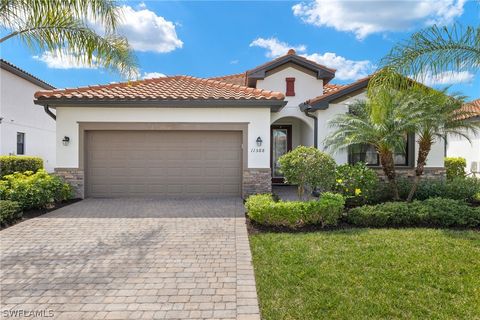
197,137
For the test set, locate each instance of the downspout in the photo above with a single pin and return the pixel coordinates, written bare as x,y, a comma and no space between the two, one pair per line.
305,108
49,112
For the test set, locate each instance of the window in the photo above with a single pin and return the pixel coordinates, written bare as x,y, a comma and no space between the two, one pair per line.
368,155
20,143
290,92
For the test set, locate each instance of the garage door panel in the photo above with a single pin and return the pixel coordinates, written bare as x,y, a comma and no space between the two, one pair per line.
150,163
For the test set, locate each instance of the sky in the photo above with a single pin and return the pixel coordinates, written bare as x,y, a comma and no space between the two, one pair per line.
205,39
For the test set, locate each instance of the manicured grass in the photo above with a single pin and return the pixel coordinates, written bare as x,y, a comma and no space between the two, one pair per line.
368,274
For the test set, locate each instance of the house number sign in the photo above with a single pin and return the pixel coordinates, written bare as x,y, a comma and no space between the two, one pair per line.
257,150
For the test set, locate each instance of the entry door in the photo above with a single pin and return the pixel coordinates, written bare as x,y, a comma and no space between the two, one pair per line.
281,138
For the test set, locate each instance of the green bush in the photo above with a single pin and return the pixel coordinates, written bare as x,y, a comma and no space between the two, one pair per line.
455,167
34,190
437,212
308,168
12,164
9,211
356,182
326,211
456,189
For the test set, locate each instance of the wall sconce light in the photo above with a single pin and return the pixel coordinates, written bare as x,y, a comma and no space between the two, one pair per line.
66,140
259,141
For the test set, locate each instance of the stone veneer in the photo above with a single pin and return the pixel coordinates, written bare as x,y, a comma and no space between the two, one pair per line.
256,180
75,178
436,172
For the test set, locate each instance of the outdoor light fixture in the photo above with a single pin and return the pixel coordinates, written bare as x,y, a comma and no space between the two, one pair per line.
66,141
259,141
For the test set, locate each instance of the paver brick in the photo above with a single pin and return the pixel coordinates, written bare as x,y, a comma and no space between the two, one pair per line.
132,259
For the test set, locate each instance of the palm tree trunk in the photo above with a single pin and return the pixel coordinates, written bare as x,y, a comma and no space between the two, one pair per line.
388,166
424,146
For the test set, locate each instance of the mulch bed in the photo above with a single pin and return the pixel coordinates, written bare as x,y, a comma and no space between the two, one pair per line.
33,213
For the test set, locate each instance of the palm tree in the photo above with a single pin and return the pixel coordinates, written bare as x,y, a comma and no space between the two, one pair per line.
62,26
428,53
383,128
438,115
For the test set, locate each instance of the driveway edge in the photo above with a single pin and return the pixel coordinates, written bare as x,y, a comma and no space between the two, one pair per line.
247,302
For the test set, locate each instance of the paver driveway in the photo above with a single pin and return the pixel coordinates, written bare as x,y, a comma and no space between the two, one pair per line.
130,259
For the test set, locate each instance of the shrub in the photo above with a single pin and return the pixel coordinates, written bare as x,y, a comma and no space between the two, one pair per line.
436,212
308,167
34,190
9,211
326,211
456,189
356,182
12,164
455,167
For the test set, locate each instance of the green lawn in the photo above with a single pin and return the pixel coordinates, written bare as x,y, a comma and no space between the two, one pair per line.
368,274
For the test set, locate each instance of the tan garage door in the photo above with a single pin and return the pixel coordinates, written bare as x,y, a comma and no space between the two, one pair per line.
157,163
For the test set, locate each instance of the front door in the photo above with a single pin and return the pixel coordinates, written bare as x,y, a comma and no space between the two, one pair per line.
281,137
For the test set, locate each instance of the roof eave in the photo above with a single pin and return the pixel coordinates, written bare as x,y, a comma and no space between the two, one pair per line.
275,105
260,72
5,65
323,103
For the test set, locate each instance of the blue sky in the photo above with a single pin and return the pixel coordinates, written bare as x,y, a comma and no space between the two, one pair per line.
215,38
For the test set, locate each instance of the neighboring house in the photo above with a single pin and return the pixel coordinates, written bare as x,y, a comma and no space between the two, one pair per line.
461,147
25,129
188,136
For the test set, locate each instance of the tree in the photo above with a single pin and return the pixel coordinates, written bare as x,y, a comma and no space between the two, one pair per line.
385,128
429,53
308,167
64,27
438,115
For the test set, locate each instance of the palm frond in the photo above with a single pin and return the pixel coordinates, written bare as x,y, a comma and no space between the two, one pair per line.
430,52
62,31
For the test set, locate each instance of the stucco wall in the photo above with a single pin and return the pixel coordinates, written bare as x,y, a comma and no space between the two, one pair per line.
460,147
434,160
68,118
21,115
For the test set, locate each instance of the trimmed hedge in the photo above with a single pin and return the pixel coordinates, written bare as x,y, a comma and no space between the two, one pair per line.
12,164
9,211
34,190
457,189
434,212
326,211
455,167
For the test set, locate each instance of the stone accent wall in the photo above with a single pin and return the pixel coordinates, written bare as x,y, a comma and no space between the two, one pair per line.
437,172
74,177
256,180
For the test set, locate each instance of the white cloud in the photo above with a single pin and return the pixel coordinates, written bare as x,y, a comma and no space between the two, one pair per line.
447,77
346,69
63,60
365,17
146,31
150,75
275,47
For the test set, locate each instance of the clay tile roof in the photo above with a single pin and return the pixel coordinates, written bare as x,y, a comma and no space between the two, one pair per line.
336,90
164,88
473,108
238,78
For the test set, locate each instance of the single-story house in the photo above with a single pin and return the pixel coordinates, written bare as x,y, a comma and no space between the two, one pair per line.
25,129
470,150
188,136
